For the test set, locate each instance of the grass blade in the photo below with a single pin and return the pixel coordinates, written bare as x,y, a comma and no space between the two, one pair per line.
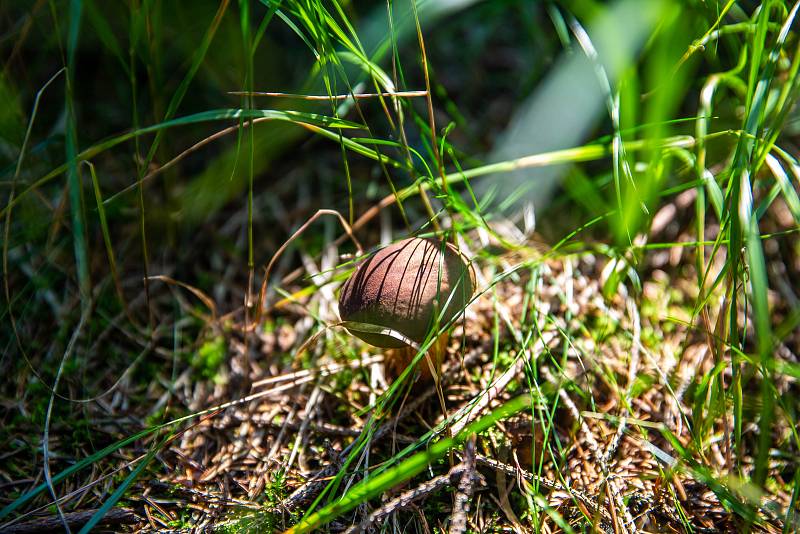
393,476
73,176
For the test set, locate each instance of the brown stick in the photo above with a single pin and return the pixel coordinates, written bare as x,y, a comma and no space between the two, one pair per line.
405,499
115,516
327,98
458,523
298,232
318,480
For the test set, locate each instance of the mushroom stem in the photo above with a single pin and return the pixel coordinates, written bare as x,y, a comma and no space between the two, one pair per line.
430,367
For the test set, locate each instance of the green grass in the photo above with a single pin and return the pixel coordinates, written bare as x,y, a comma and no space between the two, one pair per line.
199,188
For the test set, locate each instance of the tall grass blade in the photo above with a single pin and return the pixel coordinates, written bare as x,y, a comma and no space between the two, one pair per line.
73,177
101,213
313,121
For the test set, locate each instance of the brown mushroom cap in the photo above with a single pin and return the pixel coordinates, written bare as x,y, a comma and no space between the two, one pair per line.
402,286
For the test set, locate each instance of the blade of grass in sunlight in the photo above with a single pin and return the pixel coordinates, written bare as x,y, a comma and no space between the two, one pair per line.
745,226
375,485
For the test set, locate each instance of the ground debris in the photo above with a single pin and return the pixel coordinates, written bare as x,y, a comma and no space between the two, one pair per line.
615,468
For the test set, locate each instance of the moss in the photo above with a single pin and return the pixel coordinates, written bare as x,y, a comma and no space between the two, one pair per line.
269,327
643,383
276,491
266,519
209,357
261,521
155,418
182,522
602,327
343,379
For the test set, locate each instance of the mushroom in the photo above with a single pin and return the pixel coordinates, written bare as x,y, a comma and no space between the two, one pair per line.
401,289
